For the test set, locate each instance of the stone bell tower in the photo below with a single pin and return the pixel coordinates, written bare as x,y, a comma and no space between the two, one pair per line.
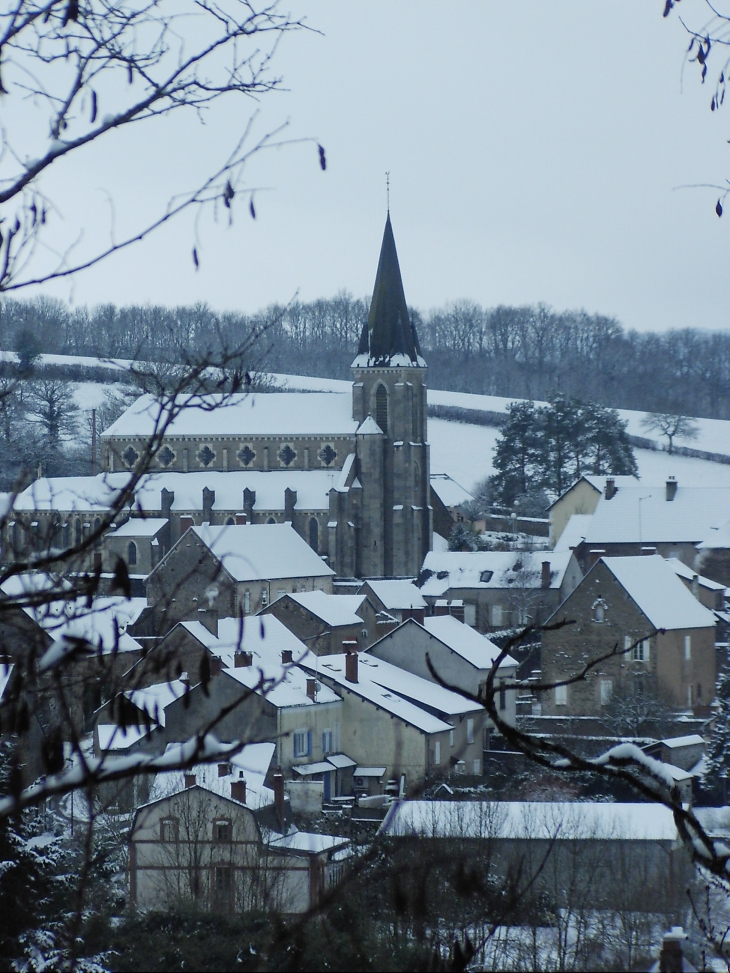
393,459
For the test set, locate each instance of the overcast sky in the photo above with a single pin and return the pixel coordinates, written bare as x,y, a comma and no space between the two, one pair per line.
535,151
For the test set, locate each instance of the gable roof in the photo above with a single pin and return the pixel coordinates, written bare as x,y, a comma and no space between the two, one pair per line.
445,570
657,591
681,569
254,552
598,482
335,610
245,414
397,595
449,492
466,642
574,532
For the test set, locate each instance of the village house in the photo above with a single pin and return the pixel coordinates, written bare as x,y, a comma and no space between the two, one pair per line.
233,570
581,499
324,622
409,727
396,598
460,656
449,500
658,639
500,589
218,838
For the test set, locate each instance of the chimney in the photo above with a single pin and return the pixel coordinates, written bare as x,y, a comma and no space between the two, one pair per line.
216,665
290,499
650,551
186,523
189,780
349,645
278,782
209,618
238,789
312,689
249,502
670,958
545,575
224,769
417,614
185,679
208,502
241,520
696,585
441,607
671,488
242,659
351,674
456,607
610,490
594,555
286,657
167,498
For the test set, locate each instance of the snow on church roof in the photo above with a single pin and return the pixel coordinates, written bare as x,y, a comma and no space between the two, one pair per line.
245,414
262,551
658,592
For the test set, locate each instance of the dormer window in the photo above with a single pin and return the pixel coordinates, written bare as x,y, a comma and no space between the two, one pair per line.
598,608
486,576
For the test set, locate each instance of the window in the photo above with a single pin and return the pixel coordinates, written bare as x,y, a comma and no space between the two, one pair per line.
689,697
327,741
561,695
271,521
606,691
222,884
502,695
470,615
247,602
640,651
302,743
470,731
437,753
222,830
381,408
313,534
168,829
477,767
688,647
264,598
599,607
496,615
131,553
451,738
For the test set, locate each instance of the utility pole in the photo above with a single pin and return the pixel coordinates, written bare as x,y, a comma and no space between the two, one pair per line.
93,442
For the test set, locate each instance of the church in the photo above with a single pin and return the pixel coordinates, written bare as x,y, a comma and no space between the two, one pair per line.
349,472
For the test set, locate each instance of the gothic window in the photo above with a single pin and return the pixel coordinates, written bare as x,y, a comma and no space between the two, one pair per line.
416,477
271,521
414,416
206,455
313,534
165,456
77,531
131,553
246,455
230,522
130,456
327,454
381,408
598,608
287,455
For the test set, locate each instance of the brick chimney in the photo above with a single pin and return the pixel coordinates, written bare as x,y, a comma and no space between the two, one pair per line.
286,657
186,523
249,501
670,958
351,674
278,784
241,519
671,488
696,585
209,618
290,499
216,665
545,575
224,769
238,788
441,607
312,689
610,490
456,609
242,659
417,614
189,780
208,504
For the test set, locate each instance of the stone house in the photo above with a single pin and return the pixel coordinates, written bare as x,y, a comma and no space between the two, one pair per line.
500,589
657,637
397,721
219,839
461,656
325,622
448,499
397,598
140,543
708,592
233,570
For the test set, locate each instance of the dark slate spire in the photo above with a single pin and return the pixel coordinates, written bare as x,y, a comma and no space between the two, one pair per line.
388,331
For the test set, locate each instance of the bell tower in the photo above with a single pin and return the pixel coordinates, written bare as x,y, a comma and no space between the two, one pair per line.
389,391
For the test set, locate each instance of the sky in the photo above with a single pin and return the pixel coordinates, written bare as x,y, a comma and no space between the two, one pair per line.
536,152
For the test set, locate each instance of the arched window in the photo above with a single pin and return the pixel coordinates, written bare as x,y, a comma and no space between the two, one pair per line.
271,521
131,553
599,607
313,533
381,408
77,531
230,522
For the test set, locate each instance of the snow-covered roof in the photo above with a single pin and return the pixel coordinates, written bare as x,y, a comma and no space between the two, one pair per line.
245,414
113,737
692,740
394,361
140,527
449,570
466,642
369,427
103,625
335,610
574,532
598,482
85,494
717,537
250,764
265,637
397,595
531,820
369,771
394,690
680,568
449,492
304,841
256,552
153,700
658,592
642,514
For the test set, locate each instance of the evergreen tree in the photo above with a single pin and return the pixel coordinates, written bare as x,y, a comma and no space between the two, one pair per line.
717,770
516,455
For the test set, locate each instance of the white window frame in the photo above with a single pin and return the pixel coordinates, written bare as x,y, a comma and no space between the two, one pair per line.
302,743
606,689
687,648
451,737
328,741
437,753
561,695
469,730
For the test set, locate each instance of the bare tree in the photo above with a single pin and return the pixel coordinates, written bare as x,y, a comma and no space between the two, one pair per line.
82,69
672,425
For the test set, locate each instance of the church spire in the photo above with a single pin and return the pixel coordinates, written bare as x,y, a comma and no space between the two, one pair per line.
388,337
